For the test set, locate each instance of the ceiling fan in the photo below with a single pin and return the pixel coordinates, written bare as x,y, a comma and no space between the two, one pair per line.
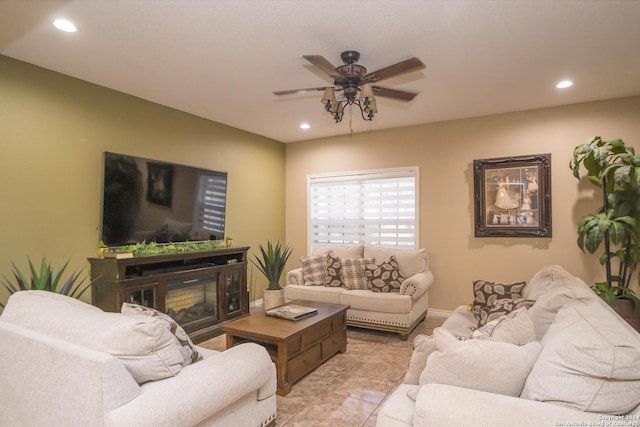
356,84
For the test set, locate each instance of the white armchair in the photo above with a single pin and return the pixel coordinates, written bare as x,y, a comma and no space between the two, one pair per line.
52,375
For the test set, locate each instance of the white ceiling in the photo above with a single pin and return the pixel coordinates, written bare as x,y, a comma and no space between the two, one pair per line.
222,59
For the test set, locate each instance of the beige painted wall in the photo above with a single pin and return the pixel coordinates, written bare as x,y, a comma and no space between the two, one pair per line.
53,131
445,153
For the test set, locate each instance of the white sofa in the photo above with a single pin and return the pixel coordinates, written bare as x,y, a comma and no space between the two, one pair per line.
587,371
65,363
397,312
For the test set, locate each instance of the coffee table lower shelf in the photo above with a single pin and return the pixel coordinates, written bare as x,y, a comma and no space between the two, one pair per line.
296,348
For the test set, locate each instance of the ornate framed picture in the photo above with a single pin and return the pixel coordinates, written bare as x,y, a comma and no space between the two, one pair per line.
512,196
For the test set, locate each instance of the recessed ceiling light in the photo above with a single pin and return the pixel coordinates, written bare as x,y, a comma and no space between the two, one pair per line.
65,25
564,84
304,126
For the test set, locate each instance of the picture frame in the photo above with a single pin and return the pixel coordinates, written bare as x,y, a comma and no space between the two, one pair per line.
512,196
160,183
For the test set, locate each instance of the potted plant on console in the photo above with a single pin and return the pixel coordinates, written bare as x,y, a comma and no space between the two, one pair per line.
271,263
615,168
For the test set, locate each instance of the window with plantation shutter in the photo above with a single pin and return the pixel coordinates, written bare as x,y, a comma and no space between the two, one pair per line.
211,212
368,207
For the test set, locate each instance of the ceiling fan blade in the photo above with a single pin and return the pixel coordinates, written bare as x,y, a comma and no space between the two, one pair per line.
393,93
323,64
413,64
292,91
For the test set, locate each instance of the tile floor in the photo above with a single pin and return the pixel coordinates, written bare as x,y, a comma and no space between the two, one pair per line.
349,388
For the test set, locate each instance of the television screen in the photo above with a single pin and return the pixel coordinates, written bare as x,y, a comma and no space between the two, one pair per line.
154,201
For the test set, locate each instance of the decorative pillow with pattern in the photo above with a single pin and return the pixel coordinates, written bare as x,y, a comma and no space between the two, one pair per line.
353,274
384,277
502,307
187,348
314,269
334,269
486,293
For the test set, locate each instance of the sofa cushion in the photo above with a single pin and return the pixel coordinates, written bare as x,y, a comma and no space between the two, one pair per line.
384,276
341,251
188,349
423,346
353,274
410,262
313,293
544,278
485,294
376,301
589,362
557,294
500,308
334,271
515,327
143,344
491,366
314,269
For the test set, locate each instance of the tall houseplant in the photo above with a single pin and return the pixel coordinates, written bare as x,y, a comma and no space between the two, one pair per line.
46,279
271,263
615,168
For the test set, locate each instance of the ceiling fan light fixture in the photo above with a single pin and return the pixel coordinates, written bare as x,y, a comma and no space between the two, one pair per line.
366,92
355,84
329,95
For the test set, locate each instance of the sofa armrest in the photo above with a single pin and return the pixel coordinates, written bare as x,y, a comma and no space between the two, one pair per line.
444,405
417,285
201,389
294,277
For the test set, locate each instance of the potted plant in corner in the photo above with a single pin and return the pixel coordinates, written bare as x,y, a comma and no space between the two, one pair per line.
271,263
47,278
615,168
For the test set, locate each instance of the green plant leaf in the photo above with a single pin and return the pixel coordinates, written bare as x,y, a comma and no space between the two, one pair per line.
272,262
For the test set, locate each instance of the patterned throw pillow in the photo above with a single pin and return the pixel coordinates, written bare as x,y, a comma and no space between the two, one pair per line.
486,293
314,269
384,277
353,274
502,307
187,348
334,269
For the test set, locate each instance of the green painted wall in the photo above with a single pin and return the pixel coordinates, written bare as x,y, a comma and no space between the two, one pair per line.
53,131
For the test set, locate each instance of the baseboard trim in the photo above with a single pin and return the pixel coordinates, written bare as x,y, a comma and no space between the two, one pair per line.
434,312
256,304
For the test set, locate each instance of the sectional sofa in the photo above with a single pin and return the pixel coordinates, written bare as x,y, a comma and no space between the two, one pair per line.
568,359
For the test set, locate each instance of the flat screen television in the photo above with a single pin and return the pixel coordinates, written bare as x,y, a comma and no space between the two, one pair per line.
154,201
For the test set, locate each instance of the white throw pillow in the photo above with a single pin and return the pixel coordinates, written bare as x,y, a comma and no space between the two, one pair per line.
143,344
515,328
491,366
590,362
423,346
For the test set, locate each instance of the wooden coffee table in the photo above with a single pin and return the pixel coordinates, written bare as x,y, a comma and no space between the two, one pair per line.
296,347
